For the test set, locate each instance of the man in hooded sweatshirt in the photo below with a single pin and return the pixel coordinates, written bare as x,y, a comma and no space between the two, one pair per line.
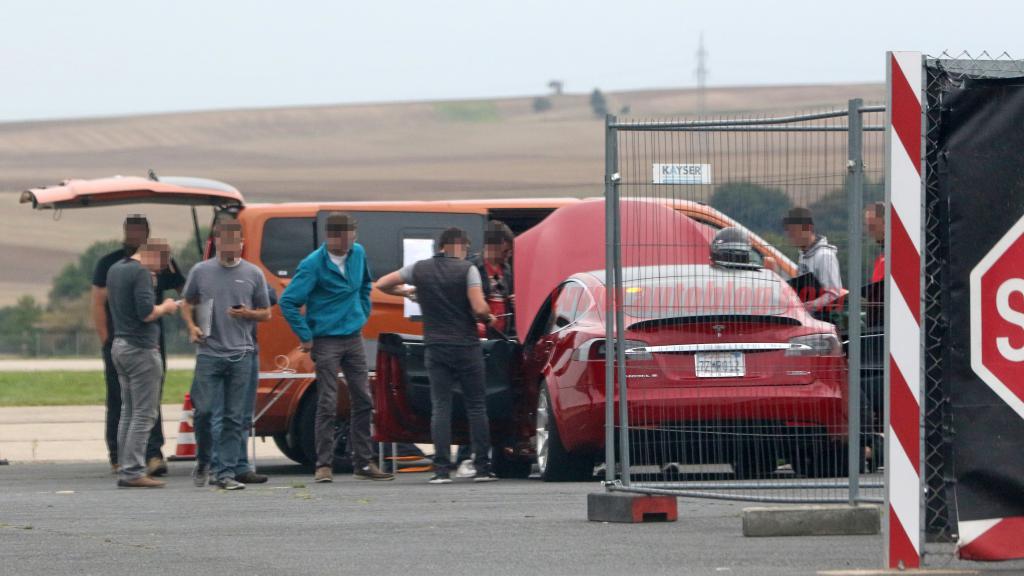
817,257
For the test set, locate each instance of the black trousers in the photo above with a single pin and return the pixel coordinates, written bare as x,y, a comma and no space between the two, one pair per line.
450,367
156,438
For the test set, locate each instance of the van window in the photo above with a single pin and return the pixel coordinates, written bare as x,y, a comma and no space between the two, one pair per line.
286,241
382,233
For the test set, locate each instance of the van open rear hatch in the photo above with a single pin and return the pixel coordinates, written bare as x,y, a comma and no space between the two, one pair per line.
120,190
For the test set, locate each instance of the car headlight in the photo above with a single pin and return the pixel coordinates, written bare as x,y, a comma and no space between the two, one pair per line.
815,345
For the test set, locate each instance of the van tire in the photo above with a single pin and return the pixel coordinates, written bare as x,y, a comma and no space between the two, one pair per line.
305,426
288,444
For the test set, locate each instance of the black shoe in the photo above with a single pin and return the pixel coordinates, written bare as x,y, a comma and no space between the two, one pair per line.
485,476
251,477
440,477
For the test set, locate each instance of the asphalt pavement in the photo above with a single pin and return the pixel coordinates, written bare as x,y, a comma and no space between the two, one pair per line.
70,518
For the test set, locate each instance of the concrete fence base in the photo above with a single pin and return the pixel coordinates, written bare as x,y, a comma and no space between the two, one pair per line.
812,520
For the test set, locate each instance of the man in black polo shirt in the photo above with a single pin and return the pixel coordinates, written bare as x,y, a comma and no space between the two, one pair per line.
448,289
136,232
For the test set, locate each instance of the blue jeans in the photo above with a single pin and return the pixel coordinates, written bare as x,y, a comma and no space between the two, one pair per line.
220,387
249,409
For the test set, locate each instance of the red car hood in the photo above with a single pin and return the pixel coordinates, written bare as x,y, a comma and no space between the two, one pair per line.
572,240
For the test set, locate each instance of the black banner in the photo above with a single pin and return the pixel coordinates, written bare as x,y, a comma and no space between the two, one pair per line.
981,176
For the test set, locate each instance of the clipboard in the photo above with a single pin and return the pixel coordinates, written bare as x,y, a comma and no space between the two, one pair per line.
806,286
874,292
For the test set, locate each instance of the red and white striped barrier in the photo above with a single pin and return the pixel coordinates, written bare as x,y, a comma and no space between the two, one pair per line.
903,286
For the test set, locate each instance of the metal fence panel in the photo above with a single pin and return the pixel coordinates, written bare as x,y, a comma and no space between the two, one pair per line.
734,387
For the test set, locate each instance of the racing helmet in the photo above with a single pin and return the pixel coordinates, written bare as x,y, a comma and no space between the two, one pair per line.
731,247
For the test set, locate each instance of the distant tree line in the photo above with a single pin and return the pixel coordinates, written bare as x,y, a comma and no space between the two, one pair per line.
761,209
68,308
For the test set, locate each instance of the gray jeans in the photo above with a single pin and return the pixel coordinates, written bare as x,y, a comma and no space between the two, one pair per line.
347,355
447,367
140,372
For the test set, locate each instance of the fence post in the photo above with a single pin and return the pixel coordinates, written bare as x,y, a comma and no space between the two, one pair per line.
855,197
611,162
620,331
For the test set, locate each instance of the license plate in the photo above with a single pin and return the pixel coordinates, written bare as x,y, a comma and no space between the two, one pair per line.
720,365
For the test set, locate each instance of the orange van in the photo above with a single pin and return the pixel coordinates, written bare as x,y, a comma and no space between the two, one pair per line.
279,236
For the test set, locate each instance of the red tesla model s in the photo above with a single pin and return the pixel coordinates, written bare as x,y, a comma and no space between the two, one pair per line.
723,364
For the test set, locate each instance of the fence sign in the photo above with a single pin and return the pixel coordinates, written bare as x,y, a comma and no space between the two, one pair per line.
682,173
979,148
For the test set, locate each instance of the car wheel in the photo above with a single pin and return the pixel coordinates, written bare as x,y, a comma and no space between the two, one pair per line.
307,437
821,461
555,463
754,462
288,444
506,466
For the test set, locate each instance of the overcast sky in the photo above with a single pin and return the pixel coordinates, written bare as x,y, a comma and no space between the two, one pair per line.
112,57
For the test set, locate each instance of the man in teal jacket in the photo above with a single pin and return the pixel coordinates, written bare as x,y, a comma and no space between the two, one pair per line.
334,284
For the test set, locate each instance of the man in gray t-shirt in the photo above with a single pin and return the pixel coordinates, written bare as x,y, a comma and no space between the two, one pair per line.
227,295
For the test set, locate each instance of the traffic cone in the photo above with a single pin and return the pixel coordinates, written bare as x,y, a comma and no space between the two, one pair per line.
186,448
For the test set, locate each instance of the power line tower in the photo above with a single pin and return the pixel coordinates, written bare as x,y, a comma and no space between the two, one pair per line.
702,74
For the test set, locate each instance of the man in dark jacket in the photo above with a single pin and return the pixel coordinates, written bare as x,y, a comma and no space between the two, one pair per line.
495,267
448,289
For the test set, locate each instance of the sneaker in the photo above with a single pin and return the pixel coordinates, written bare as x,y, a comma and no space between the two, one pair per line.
440,477
156,466
466,470
371,472
323,474
200,473
486,476
250,477
141,482
229,484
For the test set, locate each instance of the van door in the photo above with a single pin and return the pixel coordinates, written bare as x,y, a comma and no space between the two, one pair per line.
402,392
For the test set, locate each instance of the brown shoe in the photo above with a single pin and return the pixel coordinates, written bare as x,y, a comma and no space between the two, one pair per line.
156,466
142,482
115,469
323,474
371,472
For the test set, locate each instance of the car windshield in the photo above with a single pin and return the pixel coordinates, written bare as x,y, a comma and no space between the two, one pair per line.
690,291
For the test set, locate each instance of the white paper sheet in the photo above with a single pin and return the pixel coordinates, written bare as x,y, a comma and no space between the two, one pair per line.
414,250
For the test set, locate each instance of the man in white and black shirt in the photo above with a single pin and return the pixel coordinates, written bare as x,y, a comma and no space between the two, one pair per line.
448,289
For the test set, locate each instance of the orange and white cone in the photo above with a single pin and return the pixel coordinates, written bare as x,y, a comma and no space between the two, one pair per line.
186,448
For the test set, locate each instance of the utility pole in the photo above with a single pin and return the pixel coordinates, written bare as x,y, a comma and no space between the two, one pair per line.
702,74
